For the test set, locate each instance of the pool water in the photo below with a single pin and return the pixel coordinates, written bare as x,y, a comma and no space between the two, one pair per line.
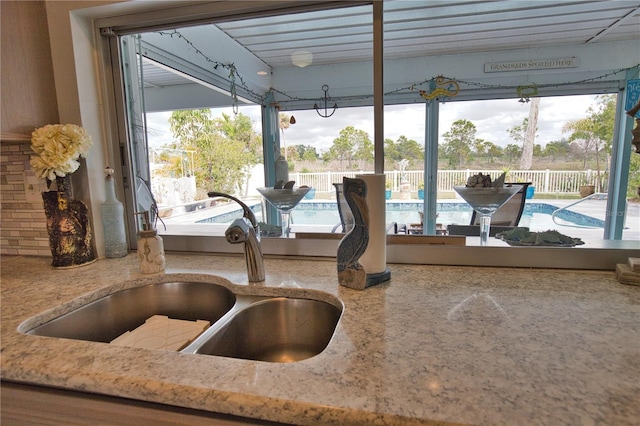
536,216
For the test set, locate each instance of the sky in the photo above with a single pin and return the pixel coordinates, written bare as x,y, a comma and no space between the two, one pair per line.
492,120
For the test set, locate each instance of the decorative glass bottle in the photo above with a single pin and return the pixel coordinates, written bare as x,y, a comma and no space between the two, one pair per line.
115,238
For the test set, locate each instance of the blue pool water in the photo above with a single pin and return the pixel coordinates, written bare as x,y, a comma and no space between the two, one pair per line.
536,216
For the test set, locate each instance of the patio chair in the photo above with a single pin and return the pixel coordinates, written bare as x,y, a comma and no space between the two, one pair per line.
505,218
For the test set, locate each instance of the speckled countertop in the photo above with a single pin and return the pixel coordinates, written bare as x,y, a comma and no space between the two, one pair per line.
435,345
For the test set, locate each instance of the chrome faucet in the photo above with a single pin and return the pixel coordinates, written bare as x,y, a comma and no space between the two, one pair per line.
246,230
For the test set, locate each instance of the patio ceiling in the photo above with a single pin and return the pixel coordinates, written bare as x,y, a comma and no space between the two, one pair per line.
428,28
414,31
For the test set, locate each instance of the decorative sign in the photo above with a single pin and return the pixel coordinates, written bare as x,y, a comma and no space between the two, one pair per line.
532,64
443,87
633,95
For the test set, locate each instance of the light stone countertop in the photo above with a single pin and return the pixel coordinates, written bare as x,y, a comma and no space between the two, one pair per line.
435,345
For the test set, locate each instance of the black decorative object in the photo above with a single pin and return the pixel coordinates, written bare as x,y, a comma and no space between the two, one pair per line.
326,100
68,227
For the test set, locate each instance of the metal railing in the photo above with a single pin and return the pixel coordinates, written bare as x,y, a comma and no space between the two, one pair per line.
555,213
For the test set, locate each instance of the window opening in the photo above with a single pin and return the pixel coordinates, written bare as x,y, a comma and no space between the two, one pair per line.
179,162
570,156
183,146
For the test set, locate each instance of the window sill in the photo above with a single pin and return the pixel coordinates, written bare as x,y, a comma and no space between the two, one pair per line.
600,255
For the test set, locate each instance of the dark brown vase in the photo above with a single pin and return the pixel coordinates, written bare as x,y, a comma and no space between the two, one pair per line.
68,226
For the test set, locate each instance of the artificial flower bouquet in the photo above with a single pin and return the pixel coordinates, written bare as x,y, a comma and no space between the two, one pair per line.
58,147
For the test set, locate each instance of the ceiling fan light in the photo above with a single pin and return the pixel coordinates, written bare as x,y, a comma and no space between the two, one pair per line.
301,58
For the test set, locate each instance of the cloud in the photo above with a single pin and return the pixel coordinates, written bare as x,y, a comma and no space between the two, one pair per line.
492,119
158,129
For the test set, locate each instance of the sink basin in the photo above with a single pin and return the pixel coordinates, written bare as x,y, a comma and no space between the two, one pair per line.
256,327
107,318
276,330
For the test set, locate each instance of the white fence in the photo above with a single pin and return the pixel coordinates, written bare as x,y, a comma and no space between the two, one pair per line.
545,181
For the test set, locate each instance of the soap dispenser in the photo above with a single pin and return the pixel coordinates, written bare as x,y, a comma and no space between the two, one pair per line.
150,248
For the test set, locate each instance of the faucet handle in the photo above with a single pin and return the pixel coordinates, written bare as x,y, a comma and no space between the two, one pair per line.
248,213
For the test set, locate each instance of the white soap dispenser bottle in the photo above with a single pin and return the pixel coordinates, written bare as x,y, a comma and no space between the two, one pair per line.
150,248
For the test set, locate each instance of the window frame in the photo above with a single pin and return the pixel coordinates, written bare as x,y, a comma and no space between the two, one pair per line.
602,257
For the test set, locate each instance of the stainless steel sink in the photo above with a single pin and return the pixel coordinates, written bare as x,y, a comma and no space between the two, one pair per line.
109,317
276,329
256,327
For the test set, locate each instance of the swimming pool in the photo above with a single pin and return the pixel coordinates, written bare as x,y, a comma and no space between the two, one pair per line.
536,216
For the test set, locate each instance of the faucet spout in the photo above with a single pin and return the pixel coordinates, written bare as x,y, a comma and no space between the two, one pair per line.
241,231
246,230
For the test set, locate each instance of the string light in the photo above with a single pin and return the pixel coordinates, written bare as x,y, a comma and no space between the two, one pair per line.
234,76
523,92
410,88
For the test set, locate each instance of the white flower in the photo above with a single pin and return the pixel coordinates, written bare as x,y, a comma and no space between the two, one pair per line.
58,147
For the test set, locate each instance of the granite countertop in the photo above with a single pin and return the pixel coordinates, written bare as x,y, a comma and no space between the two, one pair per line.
436,344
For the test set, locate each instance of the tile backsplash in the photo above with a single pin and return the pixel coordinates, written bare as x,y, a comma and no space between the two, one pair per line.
23,225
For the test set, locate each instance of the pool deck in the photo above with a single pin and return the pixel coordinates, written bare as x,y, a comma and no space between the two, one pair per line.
598,208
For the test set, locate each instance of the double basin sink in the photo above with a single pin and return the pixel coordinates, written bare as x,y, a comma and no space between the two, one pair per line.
256,327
